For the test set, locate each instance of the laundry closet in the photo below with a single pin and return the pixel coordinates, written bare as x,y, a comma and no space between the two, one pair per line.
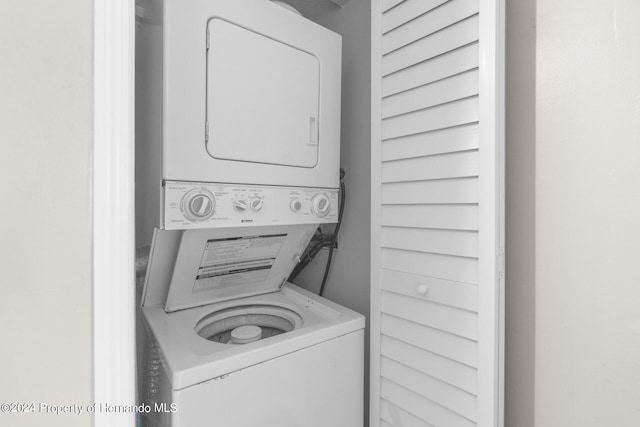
264,126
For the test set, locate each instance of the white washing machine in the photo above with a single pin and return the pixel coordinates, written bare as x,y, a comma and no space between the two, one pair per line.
235,93
241,347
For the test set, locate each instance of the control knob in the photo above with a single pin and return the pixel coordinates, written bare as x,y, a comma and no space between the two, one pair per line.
256,203
198,205
295,205
240,205
320,205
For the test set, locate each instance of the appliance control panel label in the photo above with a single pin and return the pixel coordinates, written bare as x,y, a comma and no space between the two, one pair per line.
237,261
190,205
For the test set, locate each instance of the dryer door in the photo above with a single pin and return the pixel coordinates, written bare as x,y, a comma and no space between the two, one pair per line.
262,98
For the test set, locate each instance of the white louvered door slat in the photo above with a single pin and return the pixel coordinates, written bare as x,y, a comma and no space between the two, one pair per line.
388,4
448,217
445,242
447,292
446,90
424,25
443,393
398,417
434,315
456,61
456,113
446,191
448,39
447,267
454,347
396,395
441,166
441,368
451,140
437,213
407,11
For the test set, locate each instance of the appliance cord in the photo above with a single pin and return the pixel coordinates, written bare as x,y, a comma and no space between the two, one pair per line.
321,240
343,199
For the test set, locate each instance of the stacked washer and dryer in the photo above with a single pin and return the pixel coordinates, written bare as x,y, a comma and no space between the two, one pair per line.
238,126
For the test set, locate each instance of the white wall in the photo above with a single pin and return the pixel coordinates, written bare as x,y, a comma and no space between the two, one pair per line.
348,284
45,220
588,214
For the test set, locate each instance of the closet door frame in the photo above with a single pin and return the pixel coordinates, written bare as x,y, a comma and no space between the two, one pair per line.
376,212
491,221
113,210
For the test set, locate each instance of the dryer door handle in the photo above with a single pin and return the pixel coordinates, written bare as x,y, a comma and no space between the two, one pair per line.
313,130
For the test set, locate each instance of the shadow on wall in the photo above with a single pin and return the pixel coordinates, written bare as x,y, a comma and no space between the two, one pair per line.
520,213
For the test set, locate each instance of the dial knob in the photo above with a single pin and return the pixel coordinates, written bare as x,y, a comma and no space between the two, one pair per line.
198,205
320,205
256,203
295,205
240,205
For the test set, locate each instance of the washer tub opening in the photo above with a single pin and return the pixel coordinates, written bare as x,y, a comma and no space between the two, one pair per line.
272,321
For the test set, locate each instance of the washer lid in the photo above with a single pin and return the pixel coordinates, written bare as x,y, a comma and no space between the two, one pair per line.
214,265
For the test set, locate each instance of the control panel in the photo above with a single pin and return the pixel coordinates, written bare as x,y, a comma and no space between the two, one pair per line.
189,205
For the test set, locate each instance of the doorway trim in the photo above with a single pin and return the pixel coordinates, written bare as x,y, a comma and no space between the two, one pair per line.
113,210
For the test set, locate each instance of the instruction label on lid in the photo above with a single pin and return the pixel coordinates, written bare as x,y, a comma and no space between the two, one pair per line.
237,261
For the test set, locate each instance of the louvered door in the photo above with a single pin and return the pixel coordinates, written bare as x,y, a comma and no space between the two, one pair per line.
437,209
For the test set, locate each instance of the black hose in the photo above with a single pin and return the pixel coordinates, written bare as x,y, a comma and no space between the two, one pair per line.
306,258
343,196
321,240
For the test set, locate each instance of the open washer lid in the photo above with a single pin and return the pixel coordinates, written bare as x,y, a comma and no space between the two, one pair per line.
215,265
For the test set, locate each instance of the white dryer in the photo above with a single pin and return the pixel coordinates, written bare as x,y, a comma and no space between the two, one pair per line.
231,92
240,347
